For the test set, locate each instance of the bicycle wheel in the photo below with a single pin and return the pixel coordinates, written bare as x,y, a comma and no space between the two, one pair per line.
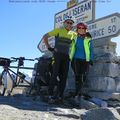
3,79
7,83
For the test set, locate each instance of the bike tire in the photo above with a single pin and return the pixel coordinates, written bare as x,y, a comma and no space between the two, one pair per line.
3,84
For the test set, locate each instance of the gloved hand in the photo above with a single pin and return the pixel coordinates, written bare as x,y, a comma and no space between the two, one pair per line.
51,49
91,62
88,35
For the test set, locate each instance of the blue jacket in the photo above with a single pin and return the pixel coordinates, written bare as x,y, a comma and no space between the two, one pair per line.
80,51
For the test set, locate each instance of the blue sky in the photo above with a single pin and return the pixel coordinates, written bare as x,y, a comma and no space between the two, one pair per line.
22,25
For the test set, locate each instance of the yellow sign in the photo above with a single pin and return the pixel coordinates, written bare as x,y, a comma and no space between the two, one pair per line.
71,3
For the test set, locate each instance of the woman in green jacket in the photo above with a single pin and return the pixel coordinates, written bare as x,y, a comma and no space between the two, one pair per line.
81,56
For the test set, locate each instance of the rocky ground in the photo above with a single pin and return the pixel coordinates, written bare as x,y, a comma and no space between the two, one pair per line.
21,107
25,108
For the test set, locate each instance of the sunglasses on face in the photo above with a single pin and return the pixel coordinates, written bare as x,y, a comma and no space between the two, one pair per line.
81,28
70,23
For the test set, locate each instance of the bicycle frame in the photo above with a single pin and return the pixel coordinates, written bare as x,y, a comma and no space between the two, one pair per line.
17,75
15,83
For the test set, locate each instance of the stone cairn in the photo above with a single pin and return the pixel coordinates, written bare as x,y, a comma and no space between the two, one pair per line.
104,76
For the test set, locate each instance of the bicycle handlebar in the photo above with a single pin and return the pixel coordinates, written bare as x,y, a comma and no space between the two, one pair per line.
22,58
36,58
29,59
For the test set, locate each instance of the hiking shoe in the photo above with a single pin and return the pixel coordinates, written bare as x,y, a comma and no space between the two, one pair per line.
77,100
60,100
51,99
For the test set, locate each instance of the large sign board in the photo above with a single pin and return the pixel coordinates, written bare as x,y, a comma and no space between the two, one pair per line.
83,12
108,26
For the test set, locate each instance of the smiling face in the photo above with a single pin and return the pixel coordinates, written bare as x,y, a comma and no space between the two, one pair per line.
68,24
81,31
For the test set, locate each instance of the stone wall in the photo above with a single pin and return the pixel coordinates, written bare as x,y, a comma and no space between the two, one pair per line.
104,75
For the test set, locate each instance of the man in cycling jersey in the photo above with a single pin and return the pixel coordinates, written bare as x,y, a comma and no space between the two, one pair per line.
61,57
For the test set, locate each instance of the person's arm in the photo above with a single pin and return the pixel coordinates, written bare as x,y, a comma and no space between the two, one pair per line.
45,38
88,35
91,53
49,34
91,50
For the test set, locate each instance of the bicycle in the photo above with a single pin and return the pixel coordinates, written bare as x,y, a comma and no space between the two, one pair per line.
7,78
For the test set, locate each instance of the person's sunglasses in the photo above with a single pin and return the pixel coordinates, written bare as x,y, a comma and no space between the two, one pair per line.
70,23
81,28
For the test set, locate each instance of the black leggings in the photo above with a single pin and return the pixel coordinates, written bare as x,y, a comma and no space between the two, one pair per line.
80,68
60,69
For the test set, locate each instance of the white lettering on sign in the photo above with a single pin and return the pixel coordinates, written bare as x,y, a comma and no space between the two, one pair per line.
108,26
105,27
83,12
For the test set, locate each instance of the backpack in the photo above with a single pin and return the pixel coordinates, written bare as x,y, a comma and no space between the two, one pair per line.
43,71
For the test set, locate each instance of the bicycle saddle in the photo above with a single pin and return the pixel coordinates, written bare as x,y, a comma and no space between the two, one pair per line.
4,61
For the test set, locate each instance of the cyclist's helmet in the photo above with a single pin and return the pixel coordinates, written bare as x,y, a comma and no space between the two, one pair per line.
72,19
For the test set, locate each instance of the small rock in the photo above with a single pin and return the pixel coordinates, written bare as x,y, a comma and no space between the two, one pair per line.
101,114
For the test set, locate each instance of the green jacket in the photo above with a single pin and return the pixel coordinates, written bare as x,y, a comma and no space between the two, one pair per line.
86,47
63,39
